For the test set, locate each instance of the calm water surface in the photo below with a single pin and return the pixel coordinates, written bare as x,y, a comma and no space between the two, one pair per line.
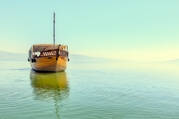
96,90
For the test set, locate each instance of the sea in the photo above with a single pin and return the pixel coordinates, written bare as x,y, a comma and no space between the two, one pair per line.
90,88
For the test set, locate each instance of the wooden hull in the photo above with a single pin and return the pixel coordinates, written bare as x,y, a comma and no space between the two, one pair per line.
49,64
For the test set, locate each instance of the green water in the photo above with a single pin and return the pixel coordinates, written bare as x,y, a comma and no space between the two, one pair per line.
101,90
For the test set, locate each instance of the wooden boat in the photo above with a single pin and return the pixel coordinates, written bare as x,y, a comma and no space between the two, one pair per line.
49,57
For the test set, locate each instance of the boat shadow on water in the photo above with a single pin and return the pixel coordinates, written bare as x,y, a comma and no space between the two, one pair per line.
50,86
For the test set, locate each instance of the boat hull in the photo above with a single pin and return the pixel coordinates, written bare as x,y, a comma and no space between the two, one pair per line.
49,64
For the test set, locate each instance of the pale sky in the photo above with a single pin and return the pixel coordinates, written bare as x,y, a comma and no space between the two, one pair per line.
123,29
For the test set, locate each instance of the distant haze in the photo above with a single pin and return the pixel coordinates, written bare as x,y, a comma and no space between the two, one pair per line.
74,58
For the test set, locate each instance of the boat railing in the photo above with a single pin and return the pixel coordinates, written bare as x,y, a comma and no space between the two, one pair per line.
54,52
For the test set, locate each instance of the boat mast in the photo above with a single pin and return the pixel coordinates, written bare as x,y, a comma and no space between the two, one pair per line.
54,28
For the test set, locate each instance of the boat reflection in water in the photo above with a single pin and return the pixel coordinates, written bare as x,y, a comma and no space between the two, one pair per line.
50,86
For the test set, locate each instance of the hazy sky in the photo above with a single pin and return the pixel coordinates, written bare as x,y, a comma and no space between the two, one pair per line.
124,29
